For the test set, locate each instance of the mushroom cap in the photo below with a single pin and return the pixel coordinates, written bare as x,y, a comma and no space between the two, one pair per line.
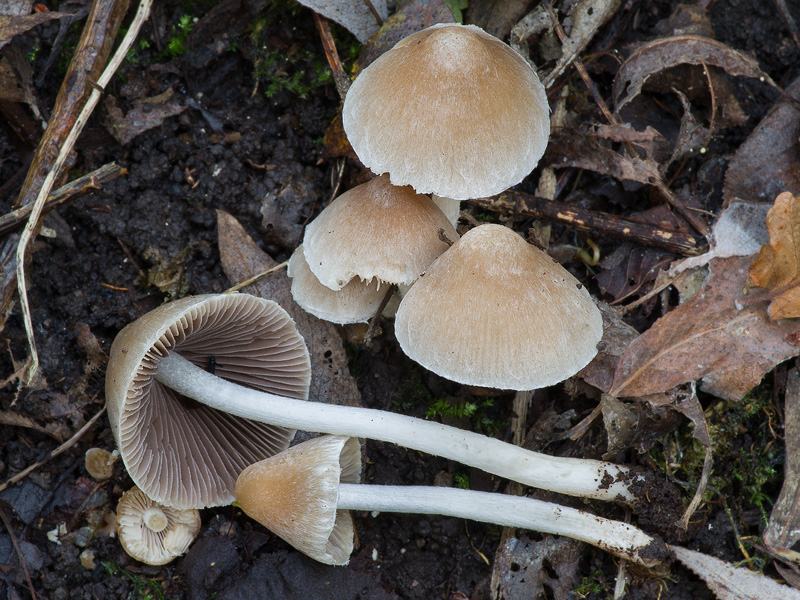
179,452
375,230
99,463
145,544
494,311
450,110
356,302
294,494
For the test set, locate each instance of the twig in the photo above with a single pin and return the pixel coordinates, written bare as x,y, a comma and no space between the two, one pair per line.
75,189
684,211
33,222
255,278
68,444
18,550
340,78
520,203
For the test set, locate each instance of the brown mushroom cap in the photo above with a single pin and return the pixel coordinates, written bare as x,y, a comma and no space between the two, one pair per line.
356,302
294,495
375,230
494,311
99,463
450,110
152,533
179,452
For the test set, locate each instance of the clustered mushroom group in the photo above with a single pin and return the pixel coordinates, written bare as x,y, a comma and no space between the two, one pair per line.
204,390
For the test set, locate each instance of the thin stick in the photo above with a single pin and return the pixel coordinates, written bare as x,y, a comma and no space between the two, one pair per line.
339,76
69,443
30,229
255,278
520,203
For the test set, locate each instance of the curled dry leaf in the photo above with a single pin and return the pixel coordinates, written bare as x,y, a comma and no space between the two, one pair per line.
733,583
664,53
356,16
145,114
11,25
717,336
777,266
768,162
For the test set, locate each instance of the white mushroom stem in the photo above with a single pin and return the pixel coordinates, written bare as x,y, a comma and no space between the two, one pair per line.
615,537
155,519
576,477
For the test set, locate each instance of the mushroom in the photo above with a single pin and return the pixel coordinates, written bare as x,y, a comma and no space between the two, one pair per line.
99,463
303,495
181,453
187,455
356,302
495,311
450,110
375,231
151,532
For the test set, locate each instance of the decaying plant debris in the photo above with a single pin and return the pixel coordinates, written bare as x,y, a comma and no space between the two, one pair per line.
669,189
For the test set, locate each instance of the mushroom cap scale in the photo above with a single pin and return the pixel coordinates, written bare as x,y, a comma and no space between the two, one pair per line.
375,230
494,311
294,494
154,546
179,452
450,110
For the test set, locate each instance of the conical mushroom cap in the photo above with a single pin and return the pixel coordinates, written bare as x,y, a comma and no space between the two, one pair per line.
179,452
494,311
294,494
356,302
375,230
450,110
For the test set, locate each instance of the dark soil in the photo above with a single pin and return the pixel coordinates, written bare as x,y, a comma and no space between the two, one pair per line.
151,235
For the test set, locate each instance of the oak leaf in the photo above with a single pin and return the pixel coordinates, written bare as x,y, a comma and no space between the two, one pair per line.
777,266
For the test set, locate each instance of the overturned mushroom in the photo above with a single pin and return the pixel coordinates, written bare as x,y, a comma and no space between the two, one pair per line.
303,495
161,363
151,532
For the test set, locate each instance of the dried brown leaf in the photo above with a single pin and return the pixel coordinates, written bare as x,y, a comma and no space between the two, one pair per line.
768,162
145,114
241,259
354,15
661,54
733,583
716,336
617,336
777,266
783,530
11,25
573,148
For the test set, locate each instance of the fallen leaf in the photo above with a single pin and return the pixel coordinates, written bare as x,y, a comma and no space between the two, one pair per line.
11,25
617,336
733,583
716,336
777,266
783,529
527,568
768,162
145,114
241,259
664,53
356,16
497,17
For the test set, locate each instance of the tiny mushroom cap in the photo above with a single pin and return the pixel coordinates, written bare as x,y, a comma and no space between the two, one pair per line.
294,494
376,230
405,113
151,532
495,311
181,453
356,302
99,463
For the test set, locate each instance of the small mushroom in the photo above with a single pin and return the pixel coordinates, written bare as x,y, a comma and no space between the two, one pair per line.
450,110
99,463
375,231
356,302
151,532
495,311
303,495
187,455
